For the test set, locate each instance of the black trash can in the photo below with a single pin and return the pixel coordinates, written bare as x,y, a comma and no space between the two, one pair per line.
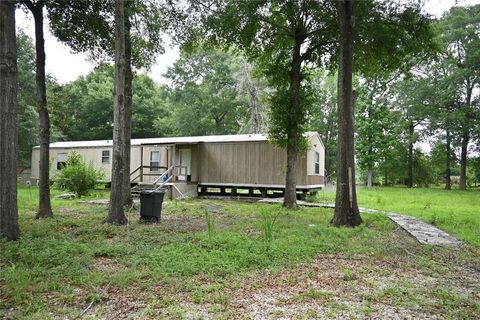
151,205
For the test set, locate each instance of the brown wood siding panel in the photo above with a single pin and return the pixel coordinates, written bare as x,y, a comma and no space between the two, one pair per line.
247,162
315,180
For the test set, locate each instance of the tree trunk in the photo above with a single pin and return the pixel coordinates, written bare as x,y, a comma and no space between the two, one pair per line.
448,171
45,207
411,131
290,198
128,108
255,110
463,161
346,207
369,177
8,123
116,214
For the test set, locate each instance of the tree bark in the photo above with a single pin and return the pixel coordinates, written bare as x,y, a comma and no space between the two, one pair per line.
252,90
463,161
8,123
116,214
448,163
290,197
128,108
45,207
346,208
411,131
369,177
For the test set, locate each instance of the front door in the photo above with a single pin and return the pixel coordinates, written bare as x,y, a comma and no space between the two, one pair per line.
185,163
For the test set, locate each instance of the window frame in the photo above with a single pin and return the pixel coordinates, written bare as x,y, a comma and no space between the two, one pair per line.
316,162
155,163
62,164
105,157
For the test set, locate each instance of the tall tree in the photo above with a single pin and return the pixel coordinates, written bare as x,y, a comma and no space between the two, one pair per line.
288,38
443,104
84,25
254,88
116,214
127,198
346,207
376,123
459,35
45,207
410,102
8,123
284,37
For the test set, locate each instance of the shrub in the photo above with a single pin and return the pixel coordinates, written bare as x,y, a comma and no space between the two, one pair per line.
78,176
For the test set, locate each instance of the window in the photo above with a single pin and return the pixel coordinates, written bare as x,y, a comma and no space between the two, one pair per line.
61,160
317,162
154,160
106,156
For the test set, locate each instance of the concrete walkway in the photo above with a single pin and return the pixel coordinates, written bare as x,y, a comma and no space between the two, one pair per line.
425,233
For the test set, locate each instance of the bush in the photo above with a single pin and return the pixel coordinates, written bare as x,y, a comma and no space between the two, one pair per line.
78,176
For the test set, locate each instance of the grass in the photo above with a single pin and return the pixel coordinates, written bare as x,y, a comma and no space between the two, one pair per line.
454,211
62,265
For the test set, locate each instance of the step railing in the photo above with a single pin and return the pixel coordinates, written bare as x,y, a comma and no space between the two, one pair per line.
173,171
162,176
134,175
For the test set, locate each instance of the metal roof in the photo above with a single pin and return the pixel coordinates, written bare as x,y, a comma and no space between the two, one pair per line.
168,140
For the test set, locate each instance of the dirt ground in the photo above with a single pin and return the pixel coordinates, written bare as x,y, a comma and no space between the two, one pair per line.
332,286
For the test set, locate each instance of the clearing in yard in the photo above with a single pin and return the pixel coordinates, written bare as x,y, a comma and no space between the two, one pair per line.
227,259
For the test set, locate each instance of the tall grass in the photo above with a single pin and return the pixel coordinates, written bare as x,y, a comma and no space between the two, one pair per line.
269,218
210,221
66,260
453,211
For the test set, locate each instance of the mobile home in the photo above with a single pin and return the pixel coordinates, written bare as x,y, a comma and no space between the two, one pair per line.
226,164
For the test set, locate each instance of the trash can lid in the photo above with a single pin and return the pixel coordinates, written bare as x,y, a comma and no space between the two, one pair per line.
152,191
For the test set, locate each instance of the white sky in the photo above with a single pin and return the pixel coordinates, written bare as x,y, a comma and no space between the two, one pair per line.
66,66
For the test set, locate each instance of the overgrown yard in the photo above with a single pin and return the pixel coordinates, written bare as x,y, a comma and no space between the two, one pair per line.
73,266
454,211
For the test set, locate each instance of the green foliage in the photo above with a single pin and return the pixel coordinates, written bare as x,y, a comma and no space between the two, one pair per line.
77,176
203,94
282,118
391,37
27,113
423,175
28,122
86,26
267,31
87,103
377,124
458,35
438,158
323,118
474,171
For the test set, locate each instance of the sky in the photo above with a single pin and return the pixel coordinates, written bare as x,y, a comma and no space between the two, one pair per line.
66,66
